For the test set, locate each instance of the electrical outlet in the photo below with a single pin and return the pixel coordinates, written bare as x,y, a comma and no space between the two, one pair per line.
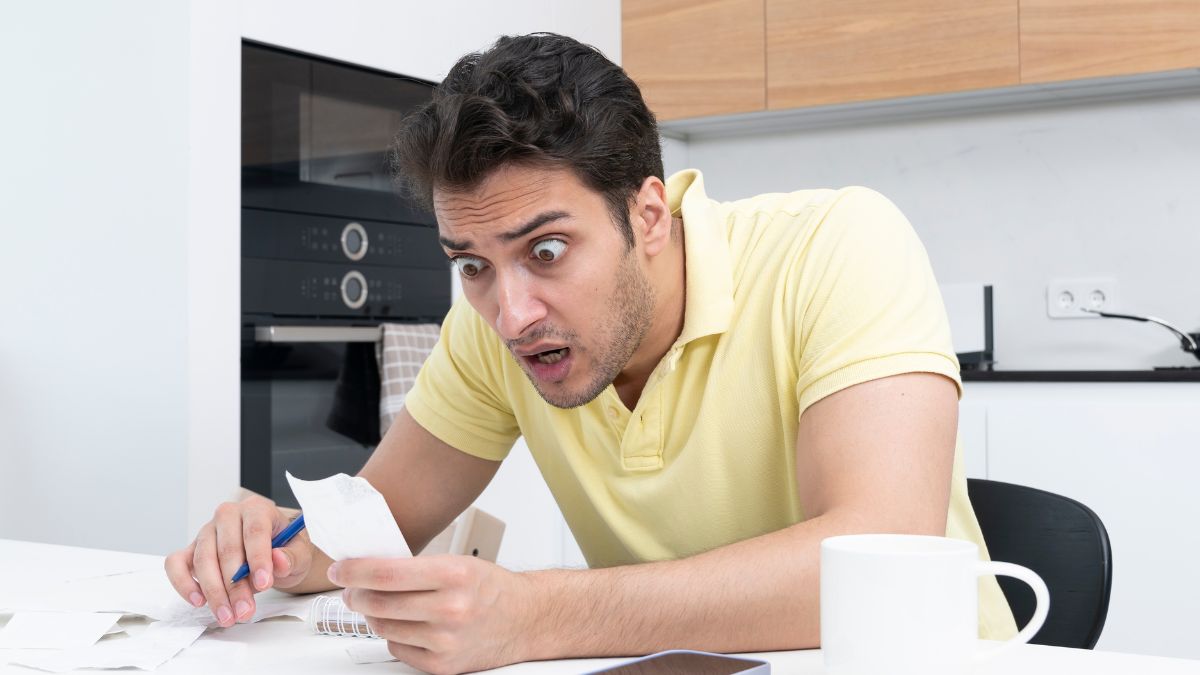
1067,298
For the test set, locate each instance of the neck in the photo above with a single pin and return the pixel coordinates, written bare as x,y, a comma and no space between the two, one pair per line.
668,277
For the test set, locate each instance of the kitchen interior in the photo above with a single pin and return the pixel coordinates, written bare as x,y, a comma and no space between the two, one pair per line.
203,237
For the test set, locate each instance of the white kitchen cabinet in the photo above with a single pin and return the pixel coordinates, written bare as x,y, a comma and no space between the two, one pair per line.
1129,452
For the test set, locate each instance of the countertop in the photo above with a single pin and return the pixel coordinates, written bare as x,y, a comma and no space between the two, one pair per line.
288,647
1163,375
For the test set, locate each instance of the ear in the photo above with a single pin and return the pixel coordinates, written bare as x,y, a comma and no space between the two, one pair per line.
650,216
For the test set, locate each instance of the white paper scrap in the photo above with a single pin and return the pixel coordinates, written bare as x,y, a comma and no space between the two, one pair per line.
147,650
208,655
268,604
347,518
55,630
272,603
144,593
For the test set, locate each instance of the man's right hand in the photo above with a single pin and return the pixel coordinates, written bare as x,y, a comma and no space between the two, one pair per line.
239,532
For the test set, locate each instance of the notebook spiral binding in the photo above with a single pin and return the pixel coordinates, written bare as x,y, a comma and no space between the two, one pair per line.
328,615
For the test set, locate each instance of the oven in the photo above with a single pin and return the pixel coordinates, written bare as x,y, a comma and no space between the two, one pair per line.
329,252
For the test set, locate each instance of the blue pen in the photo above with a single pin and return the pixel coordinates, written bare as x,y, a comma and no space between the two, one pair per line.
280,539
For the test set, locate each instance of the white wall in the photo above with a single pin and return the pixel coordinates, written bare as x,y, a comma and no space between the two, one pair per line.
118,354
1017,198
212,447
675,155
423,39
93,344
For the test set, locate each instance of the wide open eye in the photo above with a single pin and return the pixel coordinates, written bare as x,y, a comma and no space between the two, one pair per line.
549,250
468,266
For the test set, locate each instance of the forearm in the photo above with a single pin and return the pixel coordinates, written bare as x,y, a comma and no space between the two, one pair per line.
760,594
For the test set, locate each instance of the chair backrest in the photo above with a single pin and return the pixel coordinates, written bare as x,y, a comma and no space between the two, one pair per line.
1060,539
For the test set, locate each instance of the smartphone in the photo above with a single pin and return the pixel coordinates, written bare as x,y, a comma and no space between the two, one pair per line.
686,662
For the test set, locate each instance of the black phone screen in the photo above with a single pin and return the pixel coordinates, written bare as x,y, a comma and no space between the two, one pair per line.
683,663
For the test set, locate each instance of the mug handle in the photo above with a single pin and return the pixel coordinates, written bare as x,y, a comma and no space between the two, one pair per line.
1040,592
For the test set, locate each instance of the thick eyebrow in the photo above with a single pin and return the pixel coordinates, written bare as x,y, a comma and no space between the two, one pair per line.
533,224
454,245
538,221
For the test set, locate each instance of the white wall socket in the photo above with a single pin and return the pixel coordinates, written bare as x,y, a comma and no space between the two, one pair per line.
1066,298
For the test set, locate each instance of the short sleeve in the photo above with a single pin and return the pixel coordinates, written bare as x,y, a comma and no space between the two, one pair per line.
867,303
458,395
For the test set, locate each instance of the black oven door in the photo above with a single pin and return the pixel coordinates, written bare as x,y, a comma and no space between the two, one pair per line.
310,404
316,135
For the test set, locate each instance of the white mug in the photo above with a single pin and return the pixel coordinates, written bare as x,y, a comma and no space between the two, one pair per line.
896,604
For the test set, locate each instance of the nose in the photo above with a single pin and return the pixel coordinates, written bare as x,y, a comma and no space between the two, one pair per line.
518,307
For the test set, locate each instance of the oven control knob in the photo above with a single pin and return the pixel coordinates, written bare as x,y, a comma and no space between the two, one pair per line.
354,289
354,241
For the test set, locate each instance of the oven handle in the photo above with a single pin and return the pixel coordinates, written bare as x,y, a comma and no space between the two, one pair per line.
317,333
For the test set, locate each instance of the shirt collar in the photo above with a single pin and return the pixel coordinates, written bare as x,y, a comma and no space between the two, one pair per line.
708,304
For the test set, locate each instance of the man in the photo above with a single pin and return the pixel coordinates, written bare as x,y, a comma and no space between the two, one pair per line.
710,389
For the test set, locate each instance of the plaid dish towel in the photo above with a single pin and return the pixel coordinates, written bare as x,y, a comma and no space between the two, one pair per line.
403,349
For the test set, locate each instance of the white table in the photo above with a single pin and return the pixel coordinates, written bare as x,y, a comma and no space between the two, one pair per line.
286,646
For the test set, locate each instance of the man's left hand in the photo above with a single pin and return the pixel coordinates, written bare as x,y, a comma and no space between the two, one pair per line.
442,614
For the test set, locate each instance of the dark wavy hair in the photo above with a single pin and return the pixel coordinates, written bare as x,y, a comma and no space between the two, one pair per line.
541,100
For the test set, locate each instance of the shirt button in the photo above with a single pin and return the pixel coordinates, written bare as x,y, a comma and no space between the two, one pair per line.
612,413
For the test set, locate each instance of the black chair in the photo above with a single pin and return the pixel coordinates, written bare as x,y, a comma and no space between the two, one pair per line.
1060,539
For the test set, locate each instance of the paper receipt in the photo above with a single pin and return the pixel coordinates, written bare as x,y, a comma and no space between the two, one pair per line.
346,517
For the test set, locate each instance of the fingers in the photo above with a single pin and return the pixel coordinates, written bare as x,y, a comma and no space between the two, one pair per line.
292,562
404,574
438,614
419,645
207,570
417,657
410,633
258,525
231,553
410,606
238,533
179,571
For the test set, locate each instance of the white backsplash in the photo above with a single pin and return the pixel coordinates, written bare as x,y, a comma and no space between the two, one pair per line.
1015,199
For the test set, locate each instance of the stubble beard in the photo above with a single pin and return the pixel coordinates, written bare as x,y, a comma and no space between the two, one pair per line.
620,331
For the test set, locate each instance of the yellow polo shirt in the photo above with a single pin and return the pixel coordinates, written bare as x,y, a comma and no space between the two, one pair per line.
789,298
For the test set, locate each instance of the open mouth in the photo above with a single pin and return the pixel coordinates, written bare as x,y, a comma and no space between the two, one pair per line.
551,356
549,366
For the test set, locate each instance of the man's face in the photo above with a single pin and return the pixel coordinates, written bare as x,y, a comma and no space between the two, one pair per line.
541,260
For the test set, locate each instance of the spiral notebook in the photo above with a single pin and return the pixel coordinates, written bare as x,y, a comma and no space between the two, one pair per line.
475,532
330,616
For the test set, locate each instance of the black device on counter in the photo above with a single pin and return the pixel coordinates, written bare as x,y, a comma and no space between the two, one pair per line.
329,252
982,359
688,662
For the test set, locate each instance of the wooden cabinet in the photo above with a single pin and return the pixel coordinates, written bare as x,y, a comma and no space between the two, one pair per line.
836,51
694,58
1068,39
